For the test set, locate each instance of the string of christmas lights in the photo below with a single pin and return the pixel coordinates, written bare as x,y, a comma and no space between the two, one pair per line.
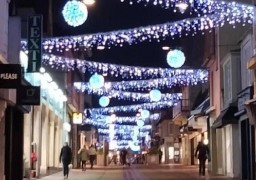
154,32
131,72
202,7
134,96
105,122
124,129
132,108
120,119
187,78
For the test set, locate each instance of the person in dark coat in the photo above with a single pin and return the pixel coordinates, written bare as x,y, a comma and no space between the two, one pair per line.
202,152
123,156
65,157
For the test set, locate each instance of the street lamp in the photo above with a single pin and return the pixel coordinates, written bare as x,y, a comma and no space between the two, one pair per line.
89,2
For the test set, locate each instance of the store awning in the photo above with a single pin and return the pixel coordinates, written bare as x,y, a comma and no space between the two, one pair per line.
201,109
227,116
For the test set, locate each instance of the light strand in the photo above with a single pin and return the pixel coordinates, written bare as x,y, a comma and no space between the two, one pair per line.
134,96
131,72
148,33
120,119
132,108
186,78
202,7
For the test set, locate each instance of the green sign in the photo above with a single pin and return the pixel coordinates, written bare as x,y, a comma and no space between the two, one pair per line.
35,33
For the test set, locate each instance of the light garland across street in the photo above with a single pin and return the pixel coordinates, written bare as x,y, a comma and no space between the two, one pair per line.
126,72
125,129
120,119
134,96
132,108
188,77
148,33
201,7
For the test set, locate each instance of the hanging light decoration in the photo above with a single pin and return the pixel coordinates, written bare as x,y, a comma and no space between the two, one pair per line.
155,95
175,58
230,13
140,123
133,96
126,72
104,101
145,114
75,13
96,81
182,5
134,107
99,118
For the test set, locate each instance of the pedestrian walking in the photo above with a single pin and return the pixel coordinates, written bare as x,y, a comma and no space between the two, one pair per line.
65,157
123,156
92,155
83,154
202,153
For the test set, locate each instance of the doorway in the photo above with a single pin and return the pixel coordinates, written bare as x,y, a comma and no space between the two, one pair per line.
247,149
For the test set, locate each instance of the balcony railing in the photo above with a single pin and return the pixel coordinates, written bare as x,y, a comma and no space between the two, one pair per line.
182,106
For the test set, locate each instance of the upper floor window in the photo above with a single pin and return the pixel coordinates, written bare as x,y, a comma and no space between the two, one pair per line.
231,77
227,81
246,54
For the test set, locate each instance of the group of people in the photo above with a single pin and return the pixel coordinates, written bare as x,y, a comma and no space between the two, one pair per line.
202,153
84,155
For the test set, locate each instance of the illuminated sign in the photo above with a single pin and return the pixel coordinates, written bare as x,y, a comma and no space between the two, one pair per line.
35,33
77,118
10,75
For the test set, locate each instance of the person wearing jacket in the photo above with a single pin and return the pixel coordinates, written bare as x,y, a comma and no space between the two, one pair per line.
202,152
83,153
65,157
92,155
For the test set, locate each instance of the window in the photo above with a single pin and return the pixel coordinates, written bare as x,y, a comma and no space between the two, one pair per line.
227,82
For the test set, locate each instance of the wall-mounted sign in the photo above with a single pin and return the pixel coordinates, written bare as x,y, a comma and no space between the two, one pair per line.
77,118
28,95
10,76
35,33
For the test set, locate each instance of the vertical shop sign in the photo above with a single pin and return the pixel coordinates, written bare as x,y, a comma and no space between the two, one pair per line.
35,33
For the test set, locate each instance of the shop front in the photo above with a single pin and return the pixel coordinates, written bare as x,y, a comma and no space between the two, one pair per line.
227,149
198,122
246,134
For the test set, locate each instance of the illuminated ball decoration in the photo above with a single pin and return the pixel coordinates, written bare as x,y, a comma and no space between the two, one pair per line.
145,114
96,81
155,95
75,13
175,58
104,101
140,123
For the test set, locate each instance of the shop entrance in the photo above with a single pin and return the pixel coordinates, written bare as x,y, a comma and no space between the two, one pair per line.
247,149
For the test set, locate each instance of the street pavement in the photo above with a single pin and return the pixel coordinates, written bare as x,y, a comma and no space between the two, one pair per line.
136,172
